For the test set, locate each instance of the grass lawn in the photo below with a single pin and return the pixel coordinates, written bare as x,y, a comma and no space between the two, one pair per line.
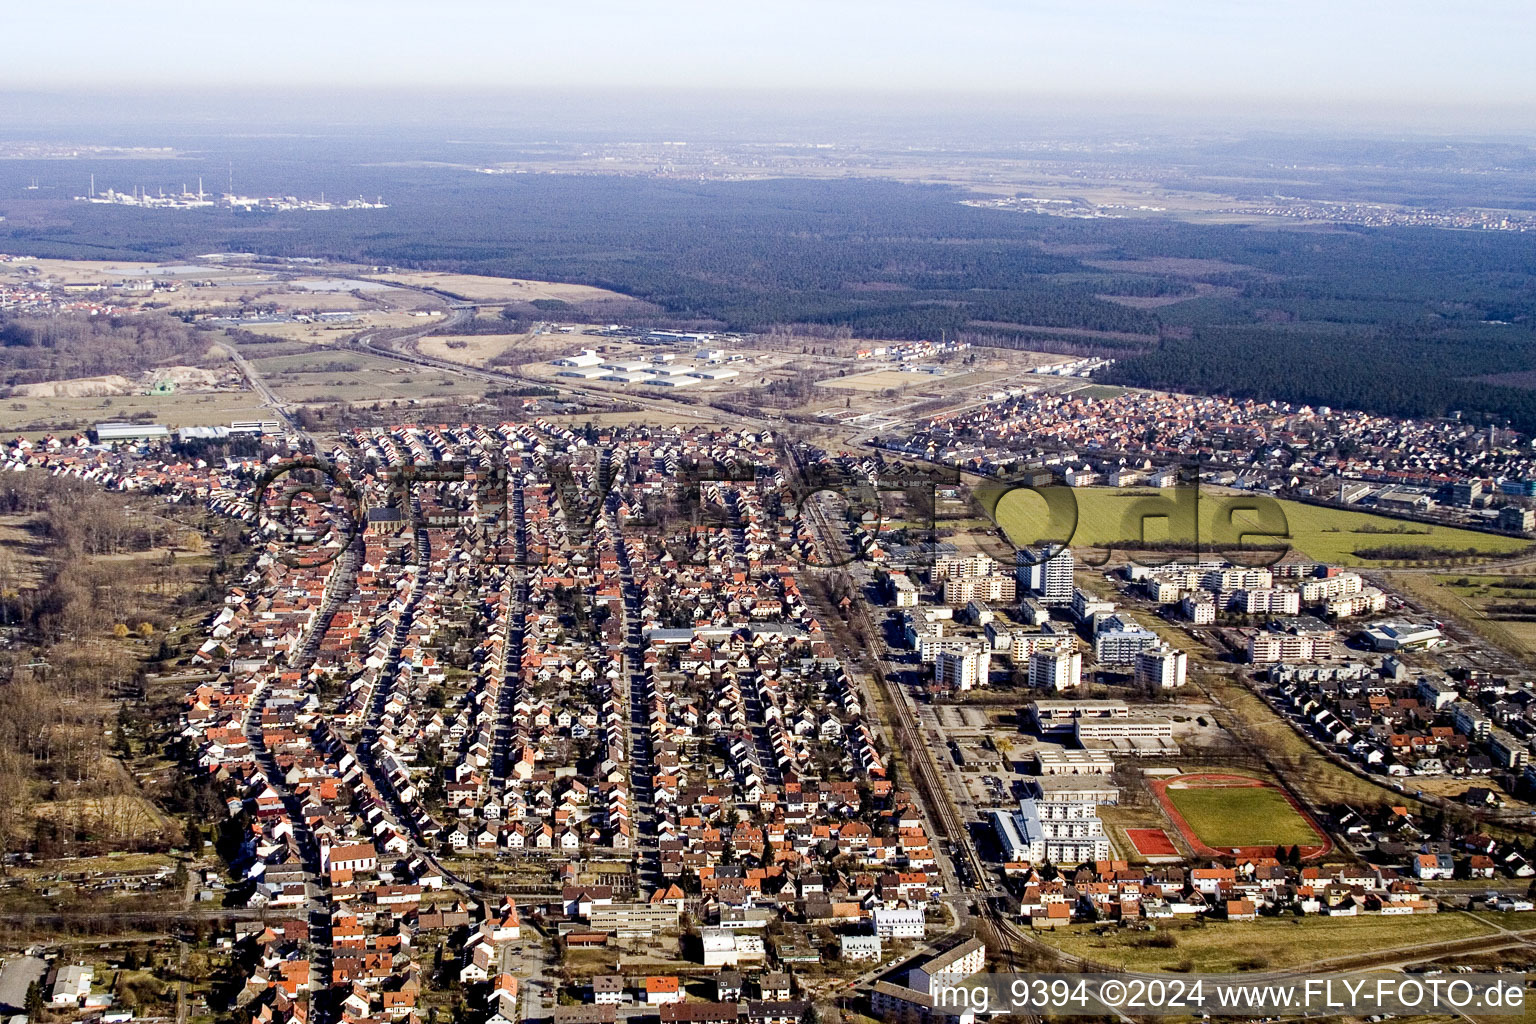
1318,778
1142,515
1242,816
1274,942
1473,600
189,409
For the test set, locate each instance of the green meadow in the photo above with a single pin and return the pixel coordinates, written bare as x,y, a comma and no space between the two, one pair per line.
1097,517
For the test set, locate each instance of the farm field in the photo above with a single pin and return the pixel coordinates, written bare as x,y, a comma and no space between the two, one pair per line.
879,380
1272,942
501,289
1325,534
334,332
1244,814
537,346
470,349
341,375
191,409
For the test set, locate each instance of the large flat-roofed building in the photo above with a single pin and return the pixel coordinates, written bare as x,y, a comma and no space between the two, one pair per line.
1402,636
1266,601
1137,737
106,433
1236,578
1404,500
1471,722
1060,716
1017,847
1338,585
1369,601
255,427
583,372
625,377
1507,749
1060,761
1198,608
1086,605
632,919
719,947
1089,789
586,357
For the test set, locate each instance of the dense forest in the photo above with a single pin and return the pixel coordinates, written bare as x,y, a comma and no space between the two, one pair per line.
1407,371
1399,320
33,349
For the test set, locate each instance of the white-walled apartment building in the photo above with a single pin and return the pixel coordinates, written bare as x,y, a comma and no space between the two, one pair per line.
898,923
1367,602
905,590
1086,605
949,967
992,587
1117,640
1268,647
959,567
963,670
1055,671
1023,646
1266,600
1236,578
1339,585
1163,591
1471,722
1161,667
1047,575
1199,608
1025,836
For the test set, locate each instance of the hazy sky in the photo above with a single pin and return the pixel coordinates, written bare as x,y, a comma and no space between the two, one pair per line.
1404,51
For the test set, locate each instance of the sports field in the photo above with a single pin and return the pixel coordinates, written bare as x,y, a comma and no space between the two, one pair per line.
1219,813
1151,842
1127,517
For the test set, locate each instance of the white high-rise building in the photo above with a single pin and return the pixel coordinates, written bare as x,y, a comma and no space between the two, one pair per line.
1161,667
963,669
1046,574
1055,670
